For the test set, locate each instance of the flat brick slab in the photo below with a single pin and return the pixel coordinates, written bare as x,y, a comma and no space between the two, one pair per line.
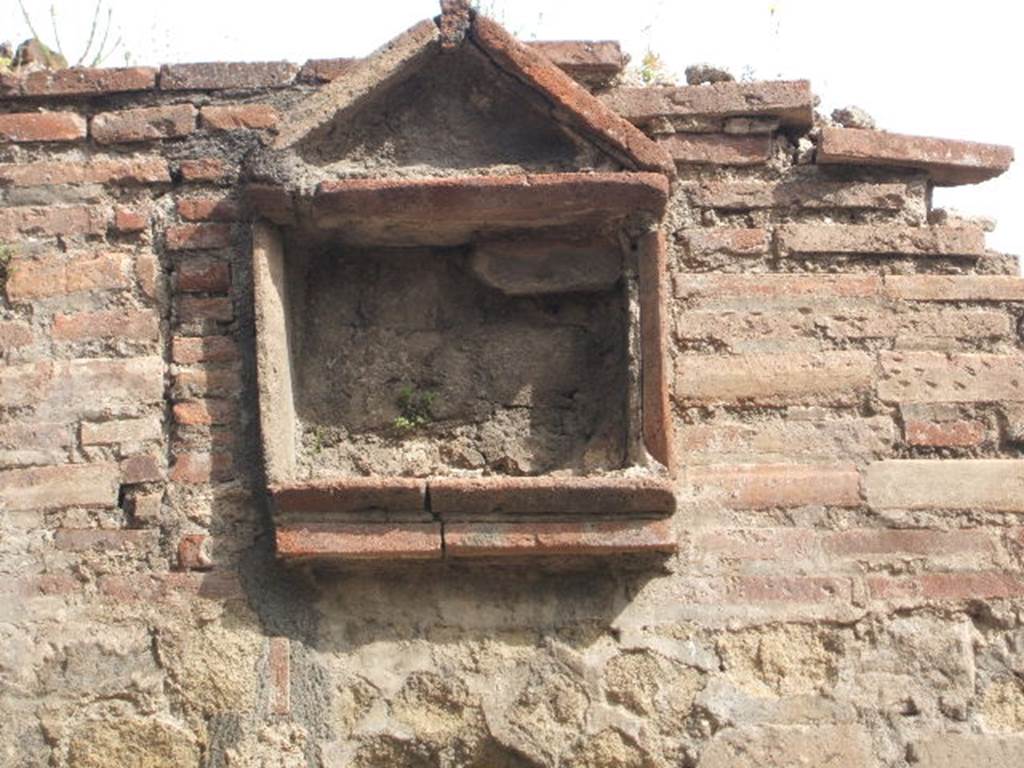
765,486
60,487
78,81
945,587
101,170
969,750
593,62
947,161
791,101
934,377
571,539
355,494
785,379
24,127
215,76
339,542
324,70
145,124
502,496
717,149
238,117
955,288
803,193
449,209
809,239
992,485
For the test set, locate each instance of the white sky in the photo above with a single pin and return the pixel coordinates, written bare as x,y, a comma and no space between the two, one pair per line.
931,67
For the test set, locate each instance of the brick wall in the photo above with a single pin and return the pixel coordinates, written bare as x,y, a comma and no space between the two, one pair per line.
848,399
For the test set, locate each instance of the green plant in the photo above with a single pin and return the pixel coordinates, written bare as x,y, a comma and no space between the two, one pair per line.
91,56
651,67
319,437
6,253
414,408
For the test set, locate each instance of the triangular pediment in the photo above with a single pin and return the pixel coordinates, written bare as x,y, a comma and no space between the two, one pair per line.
483,101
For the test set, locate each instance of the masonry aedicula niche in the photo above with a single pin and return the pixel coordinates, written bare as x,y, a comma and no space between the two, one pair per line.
460,289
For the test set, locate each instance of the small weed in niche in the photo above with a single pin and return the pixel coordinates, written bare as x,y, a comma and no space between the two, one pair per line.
414,409
6,253
320,438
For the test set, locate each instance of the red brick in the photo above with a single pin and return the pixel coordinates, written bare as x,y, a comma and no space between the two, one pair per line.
975,485
84,386
142,468
145,124
25,384
934,377
981,585
324,70
208,209
592,62
359,541
47,585
710,288
780,379
730,240
193,552
887,542
955,288
41,126
102,170
122,431
198,468
144,508
76,81
147,272
57,220
215,76
238,117
546,495
279,666
962,433
85,539
351,494
198,236
755,544
717,149
14,334
208,381
790,101
219,310
538,539
60,487
127,221
204,278
204,349
205,169
815,194
54,276
764,486
757,590
947,161
132,325
204,412
25,443
568,100
880,239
